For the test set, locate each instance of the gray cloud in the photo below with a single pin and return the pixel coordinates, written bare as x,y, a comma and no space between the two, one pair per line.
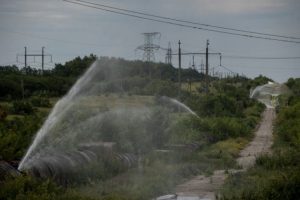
76,28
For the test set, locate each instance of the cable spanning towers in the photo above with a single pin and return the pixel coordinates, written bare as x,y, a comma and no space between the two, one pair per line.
149,47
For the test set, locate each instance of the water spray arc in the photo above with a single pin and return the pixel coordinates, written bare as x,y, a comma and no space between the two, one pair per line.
268,93
87,128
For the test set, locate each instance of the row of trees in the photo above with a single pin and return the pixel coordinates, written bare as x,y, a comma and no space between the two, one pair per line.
16,83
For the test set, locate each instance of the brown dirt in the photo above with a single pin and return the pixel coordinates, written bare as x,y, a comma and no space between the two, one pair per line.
202,187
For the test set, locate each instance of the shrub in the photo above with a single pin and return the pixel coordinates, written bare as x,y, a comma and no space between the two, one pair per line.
3,113
40,102
22,107
162,88
288,125
24,187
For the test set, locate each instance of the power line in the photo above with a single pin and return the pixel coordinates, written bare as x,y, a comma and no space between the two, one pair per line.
189,22
260,58
182,25
228,69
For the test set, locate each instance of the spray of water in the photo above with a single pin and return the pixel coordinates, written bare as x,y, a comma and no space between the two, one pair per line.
268,93
58,112
97,123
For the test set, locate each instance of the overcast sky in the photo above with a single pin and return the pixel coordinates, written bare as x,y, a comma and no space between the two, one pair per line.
67,30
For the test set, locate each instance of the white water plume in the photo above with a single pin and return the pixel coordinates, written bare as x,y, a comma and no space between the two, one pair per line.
96,120
268,93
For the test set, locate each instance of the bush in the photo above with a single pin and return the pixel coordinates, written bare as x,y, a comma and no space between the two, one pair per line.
225,127
209,130
161,88
3,113
16,135
40,102
24,187
274,178
216,105
288,125
22,107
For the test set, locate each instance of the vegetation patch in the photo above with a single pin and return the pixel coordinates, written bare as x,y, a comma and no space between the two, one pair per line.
276,176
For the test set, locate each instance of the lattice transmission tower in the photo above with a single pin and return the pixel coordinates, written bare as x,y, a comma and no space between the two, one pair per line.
169,55
149,47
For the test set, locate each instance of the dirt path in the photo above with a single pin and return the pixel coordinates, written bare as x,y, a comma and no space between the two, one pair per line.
202,187
262,142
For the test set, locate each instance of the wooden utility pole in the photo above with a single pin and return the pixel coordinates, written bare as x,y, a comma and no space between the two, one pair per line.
193,65
43,60
206,67
25,56
179,68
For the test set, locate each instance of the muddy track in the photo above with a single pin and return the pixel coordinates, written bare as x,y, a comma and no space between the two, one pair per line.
202,187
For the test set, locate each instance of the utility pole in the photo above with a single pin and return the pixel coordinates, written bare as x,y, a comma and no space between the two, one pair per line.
43,55
179,68
206,73
193,65
43,60
25,56
206,67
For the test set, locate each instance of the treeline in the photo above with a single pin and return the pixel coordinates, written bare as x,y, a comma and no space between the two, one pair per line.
26,82
16,83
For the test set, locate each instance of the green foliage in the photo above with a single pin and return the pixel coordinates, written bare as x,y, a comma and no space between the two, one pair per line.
276,176
273,178
9,88
74,67
22,107
294,85
209,130
223,128
161,88
288,125
260,80
16,135
134,77
25,187
229,97
40,102
215,105
3,113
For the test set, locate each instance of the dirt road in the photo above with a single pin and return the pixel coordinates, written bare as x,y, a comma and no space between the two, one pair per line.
202,187
262,142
